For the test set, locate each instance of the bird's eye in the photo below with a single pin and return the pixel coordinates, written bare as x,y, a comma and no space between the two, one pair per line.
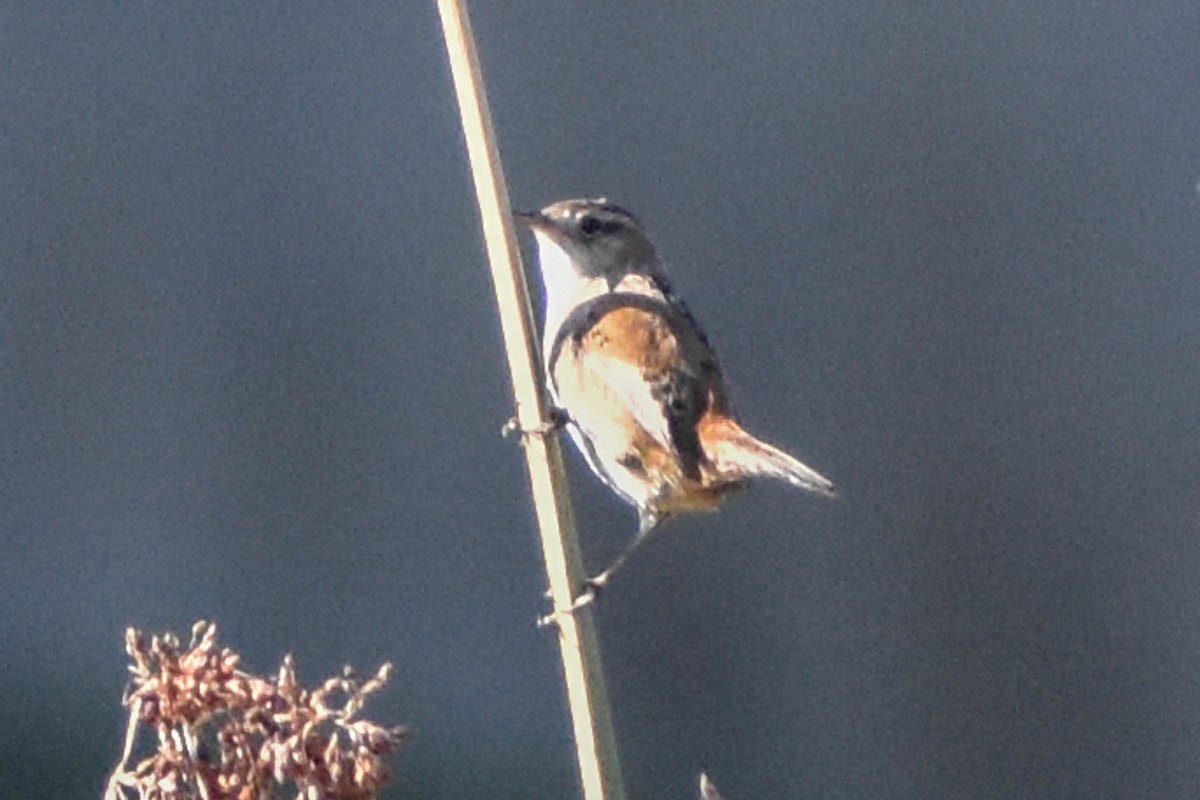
589,225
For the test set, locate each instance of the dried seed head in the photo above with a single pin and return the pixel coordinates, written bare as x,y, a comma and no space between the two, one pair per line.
263,735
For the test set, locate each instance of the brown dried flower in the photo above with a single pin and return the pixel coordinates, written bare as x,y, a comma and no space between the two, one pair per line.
225,734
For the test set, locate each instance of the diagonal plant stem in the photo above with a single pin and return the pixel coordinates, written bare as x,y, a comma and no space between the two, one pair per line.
591,718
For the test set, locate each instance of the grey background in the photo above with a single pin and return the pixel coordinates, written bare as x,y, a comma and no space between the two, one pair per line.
250,370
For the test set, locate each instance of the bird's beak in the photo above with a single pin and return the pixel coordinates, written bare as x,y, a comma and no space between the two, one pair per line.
542,225
534,219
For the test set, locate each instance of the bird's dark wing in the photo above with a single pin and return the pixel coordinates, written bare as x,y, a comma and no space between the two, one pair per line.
626,358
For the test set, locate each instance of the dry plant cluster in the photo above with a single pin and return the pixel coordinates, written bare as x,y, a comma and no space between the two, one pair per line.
226,734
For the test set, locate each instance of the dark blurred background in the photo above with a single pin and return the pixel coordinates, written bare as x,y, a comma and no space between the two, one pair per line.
250,371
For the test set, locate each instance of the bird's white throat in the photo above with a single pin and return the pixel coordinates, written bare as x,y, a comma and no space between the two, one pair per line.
564,283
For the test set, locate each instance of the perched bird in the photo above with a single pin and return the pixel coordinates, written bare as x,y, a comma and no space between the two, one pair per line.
635,380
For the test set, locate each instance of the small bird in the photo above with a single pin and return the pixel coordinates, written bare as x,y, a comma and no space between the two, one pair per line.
634,379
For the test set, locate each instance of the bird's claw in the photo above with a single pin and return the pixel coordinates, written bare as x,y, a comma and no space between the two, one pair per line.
557,419
592,588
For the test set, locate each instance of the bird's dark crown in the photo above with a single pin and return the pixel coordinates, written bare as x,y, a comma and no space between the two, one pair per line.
587,217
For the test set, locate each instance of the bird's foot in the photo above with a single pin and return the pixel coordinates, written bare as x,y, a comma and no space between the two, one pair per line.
512,429
592,588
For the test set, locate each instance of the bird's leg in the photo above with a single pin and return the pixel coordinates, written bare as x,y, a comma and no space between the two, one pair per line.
648,522
558,418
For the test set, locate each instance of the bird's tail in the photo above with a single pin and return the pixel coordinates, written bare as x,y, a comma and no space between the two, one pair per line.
737,454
